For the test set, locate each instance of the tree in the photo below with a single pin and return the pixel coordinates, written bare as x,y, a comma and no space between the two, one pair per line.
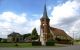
34,34
0,39
26,35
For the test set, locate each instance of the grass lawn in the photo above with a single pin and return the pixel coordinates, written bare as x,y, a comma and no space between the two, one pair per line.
77,42
13,45
24,45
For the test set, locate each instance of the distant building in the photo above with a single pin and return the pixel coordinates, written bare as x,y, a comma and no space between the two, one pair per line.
15,37
47,32
27,39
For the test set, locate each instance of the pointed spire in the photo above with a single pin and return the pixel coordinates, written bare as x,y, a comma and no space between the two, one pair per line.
45,12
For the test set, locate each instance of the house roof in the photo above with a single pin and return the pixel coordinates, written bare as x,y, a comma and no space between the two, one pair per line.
14,34
59,32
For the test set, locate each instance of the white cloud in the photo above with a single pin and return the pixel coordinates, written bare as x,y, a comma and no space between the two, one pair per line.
10,21
12,17
68,10
34,24
20,20
75,27
65,10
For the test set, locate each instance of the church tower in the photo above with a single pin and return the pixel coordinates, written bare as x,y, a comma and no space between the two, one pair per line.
44,27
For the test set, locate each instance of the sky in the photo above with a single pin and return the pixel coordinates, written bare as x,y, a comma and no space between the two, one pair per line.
24,15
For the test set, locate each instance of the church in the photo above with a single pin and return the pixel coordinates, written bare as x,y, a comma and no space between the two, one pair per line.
47,32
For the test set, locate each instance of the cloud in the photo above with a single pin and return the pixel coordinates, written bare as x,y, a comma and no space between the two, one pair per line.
11,21
12,17
66,16
65,10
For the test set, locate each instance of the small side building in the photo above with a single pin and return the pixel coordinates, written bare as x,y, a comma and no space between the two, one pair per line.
15,37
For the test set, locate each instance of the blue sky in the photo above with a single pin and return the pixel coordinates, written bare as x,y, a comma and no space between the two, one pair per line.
24,15
27,6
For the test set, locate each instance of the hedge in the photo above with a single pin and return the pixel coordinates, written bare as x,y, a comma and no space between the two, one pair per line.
52,43
35,43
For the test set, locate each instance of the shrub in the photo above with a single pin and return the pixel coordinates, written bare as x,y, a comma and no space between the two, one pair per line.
4,40
16,44
50,42
36,43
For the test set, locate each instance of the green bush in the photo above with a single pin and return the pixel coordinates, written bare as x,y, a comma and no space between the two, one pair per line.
50,42
16,44
4,40
34,43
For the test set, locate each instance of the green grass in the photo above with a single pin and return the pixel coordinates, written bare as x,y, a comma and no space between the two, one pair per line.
24,45
77,42
13,45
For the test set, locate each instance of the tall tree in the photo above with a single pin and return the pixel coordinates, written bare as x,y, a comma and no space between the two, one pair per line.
34,34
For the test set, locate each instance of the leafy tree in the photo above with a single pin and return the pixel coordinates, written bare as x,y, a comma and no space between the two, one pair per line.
34,34
0,39
26,35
